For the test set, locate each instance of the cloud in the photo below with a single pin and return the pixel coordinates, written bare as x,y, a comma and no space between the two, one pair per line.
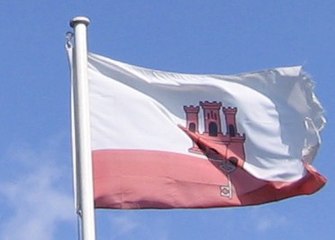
125,225
132,225
35,194
269,222
265,219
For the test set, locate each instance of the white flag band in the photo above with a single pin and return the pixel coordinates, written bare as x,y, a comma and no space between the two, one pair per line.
276,110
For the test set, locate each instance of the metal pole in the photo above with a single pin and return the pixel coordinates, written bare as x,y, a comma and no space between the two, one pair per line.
82,129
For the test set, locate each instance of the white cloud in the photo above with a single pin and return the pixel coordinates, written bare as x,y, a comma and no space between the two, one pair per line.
131,225
265,219
35,198
269,222
125,225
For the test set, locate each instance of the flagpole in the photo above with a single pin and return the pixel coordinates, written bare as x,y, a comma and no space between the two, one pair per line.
82,129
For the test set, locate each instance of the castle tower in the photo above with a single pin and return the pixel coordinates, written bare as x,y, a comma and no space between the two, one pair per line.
212,118
230,115
192,119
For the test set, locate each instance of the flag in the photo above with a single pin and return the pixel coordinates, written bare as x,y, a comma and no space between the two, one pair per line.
171,140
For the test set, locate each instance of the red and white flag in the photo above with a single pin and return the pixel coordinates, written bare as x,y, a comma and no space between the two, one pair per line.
170,140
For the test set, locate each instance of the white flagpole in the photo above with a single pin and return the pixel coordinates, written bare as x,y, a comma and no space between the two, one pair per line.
82,129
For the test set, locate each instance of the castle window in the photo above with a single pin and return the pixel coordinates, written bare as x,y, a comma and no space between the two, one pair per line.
191,127
232,131
213,129
233,160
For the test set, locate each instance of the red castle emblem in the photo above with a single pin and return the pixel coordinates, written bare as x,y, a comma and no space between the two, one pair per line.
227,149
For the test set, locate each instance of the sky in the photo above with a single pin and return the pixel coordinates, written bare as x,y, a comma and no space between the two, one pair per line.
193,36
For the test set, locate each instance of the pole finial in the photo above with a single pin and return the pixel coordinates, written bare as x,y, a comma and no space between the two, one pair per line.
79,19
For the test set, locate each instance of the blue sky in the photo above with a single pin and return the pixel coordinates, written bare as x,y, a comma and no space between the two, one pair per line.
214,36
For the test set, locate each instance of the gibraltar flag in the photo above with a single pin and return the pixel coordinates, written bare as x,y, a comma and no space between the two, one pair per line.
171,140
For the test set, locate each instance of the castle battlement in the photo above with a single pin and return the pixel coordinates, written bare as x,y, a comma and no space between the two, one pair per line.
229,109
211,105
191,109
212,119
